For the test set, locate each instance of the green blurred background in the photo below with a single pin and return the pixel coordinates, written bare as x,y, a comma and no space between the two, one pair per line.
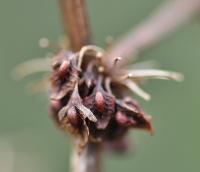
29,142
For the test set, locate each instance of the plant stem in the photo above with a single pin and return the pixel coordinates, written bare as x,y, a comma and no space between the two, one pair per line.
88,160
74,16
163,21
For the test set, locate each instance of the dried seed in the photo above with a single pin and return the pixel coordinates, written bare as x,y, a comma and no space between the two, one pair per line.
73,116
99,101
64,68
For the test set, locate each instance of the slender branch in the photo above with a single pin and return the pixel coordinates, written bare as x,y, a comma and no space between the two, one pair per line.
163,21
88,160
74,16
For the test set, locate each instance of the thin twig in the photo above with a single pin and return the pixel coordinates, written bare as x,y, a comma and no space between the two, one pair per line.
88,160
74,16
76,27
163,21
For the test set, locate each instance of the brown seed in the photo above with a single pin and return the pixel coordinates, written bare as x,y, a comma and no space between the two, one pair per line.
72,116
99,101
55,104
63,69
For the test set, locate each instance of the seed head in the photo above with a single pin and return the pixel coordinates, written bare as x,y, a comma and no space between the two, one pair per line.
91,100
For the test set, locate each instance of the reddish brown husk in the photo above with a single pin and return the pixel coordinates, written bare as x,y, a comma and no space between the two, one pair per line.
82,105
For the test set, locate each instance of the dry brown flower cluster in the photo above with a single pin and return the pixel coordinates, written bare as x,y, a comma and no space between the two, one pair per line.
91,100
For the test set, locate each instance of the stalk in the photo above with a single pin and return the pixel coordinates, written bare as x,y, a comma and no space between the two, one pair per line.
75,23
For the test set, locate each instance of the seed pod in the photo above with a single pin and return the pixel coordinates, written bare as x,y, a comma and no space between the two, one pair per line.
102,104
63,80
130,115
124,121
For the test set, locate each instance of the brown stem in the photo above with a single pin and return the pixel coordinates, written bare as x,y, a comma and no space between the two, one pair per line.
163,21
88,160
74,16
75,24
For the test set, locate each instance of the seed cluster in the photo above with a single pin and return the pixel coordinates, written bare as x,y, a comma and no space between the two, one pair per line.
90,100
